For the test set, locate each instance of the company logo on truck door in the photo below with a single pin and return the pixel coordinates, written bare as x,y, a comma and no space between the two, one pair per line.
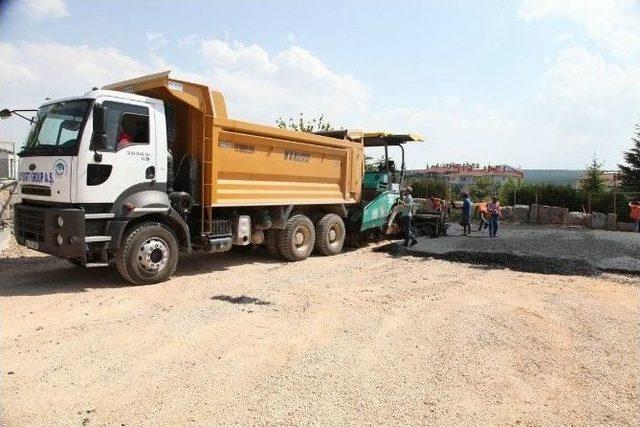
60,168
296,156
241,148
37,177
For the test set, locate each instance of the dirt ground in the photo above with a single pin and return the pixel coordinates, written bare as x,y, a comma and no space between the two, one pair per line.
359,338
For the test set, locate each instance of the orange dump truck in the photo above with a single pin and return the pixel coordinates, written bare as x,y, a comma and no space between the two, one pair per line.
139,170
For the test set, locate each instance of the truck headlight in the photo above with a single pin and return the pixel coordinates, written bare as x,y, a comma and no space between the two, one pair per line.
60,221
59,240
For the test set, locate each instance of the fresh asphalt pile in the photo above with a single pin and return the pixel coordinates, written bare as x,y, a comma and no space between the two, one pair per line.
538,249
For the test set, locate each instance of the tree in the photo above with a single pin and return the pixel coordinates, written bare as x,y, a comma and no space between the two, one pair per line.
301,124
430,187
630,173
372,164
593,182
483,187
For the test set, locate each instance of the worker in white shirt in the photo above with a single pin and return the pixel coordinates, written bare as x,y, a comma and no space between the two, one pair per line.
407,217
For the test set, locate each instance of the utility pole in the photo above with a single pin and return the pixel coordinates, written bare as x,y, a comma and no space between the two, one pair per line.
615,191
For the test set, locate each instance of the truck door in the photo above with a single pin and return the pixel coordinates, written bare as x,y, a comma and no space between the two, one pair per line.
129,162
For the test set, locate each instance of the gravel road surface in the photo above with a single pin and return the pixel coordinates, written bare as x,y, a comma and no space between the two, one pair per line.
522,247
359,338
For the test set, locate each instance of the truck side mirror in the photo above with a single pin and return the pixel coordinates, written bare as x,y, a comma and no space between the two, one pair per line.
99,137
99,119
99,142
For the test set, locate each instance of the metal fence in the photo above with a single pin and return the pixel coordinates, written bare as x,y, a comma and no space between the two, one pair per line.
8,160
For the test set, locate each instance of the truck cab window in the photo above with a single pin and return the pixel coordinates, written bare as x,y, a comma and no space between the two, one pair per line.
126,125
57,127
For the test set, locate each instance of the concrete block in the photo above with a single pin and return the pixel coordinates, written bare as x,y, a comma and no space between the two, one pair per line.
612,222
543,214
626,226
521,213
507,213
558,215
533,213
578,218
598,220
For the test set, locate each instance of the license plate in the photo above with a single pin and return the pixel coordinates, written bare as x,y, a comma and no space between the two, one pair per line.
31,244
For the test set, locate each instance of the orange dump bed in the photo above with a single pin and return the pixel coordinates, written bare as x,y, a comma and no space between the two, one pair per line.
246,164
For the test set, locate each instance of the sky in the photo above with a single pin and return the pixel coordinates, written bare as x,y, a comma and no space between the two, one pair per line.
535,84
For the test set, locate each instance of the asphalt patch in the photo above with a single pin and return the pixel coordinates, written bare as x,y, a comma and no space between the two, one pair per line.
535,249
242,299
523,263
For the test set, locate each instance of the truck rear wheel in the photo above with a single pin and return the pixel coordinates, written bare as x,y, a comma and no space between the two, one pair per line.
297,239
330,234
272,240
148,254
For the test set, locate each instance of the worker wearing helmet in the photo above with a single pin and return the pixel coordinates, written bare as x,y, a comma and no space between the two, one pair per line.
407,217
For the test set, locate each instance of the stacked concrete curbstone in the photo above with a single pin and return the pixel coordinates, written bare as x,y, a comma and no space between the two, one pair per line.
558,216
578,218
598,220
543,214
521,213
626,226
507,213
533,214
612,222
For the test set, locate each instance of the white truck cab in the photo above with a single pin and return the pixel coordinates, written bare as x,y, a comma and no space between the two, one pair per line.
60,141
76,175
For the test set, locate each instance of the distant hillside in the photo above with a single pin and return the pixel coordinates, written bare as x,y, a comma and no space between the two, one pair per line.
552,176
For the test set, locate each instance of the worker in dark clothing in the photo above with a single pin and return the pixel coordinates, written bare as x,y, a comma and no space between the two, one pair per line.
467,204
407,217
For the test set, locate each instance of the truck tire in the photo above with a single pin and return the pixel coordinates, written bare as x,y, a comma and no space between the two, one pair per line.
330,234
272,239
297,240
148,254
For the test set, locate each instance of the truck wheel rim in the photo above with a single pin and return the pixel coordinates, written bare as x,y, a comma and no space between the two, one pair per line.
335,235
301,238
153,256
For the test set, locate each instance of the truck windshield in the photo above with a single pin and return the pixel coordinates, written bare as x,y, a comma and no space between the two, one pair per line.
56,129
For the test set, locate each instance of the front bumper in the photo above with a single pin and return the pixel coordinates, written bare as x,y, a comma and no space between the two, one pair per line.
38,227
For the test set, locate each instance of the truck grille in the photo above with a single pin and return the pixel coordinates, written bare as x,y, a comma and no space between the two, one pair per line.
30,222
36,190
221,228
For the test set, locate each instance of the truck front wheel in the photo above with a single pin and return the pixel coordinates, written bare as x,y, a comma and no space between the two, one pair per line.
148,254
297,239
330,234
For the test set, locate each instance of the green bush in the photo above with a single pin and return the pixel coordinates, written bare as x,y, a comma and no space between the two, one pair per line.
430,188
564,196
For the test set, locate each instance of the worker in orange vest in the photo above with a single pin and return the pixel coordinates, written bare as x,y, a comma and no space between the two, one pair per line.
481,211
634,208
